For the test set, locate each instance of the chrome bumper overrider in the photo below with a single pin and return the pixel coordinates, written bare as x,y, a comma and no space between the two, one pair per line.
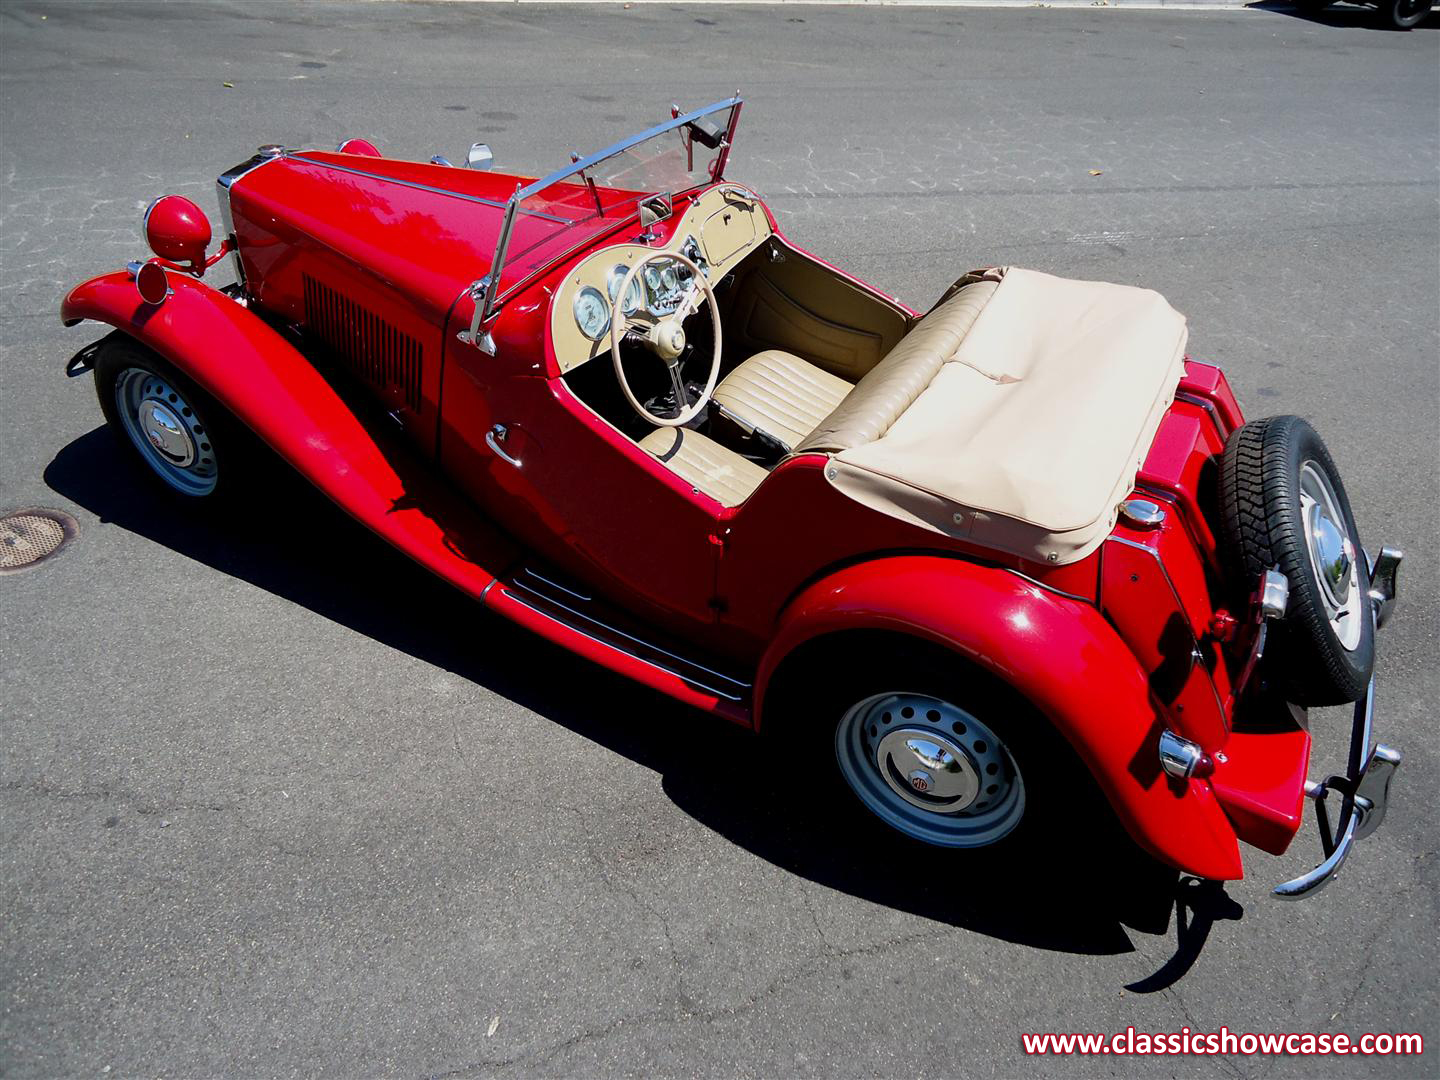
1364,790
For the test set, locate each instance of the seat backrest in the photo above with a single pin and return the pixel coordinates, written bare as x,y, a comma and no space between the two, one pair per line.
892,385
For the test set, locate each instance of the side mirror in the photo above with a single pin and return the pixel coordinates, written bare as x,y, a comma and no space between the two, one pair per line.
655,209
479,157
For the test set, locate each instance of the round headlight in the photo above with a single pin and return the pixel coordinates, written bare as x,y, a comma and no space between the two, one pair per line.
176,229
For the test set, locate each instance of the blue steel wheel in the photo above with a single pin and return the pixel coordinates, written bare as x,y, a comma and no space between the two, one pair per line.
930,769
167,430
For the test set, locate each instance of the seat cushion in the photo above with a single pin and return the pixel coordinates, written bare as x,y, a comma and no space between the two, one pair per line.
704,464
891,386
780,395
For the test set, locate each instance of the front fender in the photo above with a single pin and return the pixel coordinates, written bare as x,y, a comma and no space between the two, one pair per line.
1060,653
275,391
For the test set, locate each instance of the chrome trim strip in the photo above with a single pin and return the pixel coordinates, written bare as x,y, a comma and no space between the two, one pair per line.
554,584
1196,654
728,695
1208,406
1050,588
223,183
631,637
425,187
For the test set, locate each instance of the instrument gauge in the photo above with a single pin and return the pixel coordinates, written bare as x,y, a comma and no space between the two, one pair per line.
592,312
652,279
668,279
634,298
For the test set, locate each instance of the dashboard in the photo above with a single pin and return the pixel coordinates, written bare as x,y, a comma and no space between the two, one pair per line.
715,232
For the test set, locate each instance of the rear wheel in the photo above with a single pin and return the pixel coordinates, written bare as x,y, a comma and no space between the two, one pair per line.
935,749
1283,506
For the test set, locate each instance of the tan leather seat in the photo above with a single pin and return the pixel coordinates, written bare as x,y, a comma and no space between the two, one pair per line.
704,464
780,395
892,385
806,409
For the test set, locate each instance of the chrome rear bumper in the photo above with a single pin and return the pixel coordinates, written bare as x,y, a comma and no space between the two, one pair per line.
1364,790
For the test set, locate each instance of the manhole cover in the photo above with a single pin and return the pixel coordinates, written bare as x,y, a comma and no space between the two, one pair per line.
29,537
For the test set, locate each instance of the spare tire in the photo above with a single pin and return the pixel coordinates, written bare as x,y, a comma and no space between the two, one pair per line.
1282,505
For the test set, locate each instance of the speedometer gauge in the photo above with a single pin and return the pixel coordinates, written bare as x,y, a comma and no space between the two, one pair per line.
634,297
592,312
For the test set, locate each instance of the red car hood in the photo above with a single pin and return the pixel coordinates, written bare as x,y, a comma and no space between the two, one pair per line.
429,230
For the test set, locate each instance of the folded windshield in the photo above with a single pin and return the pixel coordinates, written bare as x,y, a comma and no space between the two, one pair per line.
558,213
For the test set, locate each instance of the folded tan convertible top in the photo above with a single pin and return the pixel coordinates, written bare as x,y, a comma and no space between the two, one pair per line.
1031,433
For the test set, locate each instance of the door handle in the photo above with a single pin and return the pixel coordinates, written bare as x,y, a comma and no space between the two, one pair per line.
494,437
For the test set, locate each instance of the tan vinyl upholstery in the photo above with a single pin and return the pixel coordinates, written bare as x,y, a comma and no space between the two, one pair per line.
704,464
1028,436
891,386
806,409
780,395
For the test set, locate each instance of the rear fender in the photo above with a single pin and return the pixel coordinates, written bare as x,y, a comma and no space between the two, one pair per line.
1058,652
269,386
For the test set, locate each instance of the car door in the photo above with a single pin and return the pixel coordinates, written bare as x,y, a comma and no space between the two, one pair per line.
576,491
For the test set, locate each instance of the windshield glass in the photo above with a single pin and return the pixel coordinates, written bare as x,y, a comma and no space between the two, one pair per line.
558,213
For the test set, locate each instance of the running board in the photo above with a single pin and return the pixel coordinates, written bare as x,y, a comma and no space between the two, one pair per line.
568,615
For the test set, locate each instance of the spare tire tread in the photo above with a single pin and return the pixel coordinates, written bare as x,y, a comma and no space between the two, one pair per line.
1261,530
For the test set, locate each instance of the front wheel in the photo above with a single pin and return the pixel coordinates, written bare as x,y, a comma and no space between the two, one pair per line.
179,433
1405,14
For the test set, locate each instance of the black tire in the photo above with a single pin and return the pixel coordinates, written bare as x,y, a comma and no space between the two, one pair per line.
1404,14
1262,528
217,440
1061,798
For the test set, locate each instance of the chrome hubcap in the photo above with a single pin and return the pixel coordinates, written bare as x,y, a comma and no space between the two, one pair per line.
167,431
1332,554
930,769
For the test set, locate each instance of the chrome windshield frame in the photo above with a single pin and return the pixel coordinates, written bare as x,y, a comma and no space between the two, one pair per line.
488,287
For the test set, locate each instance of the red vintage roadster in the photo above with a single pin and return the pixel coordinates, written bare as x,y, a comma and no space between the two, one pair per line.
963,566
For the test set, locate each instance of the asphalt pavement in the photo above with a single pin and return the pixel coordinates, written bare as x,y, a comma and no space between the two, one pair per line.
273,802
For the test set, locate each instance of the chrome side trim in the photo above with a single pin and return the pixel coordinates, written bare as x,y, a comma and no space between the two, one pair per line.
223,183
738,686
1050,588
554,584
416,185
727,694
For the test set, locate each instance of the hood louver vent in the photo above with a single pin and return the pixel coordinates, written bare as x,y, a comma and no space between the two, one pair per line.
383,356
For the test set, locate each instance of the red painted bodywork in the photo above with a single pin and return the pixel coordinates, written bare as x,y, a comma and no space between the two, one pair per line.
1102,646
1061,653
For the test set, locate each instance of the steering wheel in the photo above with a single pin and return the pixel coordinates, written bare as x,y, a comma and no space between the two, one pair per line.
666,338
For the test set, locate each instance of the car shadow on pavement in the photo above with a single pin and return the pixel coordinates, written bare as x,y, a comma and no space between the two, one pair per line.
1079,897
1342,15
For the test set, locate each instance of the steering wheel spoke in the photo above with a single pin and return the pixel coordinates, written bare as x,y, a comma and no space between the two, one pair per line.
665,336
